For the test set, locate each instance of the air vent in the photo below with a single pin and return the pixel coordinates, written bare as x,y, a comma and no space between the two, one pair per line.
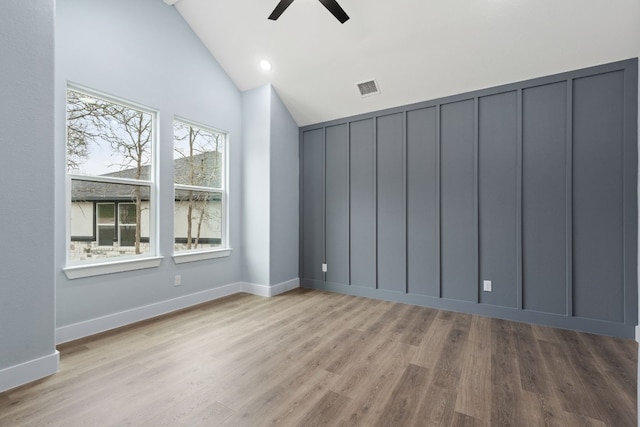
368,88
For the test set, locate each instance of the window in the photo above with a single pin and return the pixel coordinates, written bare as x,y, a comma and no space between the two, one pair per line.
199,207
106,226
110,174
128,224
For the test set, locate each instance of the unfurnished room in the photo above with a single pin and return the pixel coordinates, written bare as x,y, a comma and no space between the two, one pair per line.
319,212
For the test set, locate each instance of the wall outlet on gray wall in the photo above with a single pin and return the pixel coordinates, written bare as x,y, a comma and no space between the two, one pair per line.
486,286
324,268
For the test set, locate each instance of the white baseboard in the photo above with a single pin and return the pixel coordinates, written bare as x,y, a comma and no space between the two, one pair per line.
15,376
271,291
123,318
283,287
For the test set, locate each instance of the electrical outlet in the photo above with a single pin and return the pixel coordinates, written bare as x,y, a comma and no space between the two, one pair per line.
486,286
177,281
324,268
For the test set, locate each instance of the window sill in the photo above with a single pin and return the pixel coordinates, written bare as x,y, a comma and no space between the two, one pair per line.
79,271
191,256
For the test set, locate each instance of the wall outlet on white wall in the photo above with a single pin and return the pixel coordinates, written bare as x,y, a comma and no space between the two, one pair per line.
178,280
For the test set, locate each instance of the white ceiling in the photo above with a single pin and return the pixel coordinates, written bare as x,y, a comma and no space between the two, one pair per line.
417,50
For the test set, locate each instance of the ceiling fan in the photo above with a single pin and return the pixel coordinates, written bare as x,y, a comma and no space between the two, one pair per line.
331,5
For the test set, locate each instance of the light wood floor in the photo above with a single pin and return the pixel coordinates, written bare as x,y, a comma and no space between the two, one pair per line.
313,358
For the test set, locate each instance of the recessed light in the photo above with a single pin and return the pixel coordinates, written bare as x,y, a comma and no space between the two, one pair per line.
265,65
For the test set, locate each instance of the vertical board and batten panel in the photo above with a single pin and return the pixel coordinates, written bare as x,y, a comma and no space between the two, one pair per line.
544,198
630,195
422,202
497,181
391,205
312,204
532,185
459,266
337,203
362,220
598,167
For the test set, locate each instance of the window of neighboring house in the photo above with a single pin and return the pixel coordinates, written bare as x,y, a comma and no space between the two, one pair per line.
127,226
110,173
106,224
200,194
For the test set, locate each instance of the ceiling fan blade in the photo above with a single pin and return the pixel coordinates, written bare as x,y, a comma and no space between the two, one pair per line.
338,12
281,7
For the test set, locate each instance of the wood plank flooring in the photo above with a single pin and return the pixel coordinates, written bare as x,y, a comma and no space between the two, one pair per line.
311,358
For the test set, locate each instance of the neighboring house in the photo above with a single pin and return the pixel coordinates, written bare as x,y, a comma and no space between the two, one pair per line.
103,215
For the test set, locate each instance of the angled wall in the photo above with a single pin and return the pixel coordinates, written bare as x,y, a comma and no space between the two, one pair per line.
270,190
256,123
531,185
284,194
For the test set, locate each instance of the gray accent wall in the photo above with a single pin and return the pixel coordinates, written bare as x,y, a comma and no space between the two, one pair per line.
312,183
423,202
27,286
458,219
498,180
531,185
362,200
390,203
545,198
598,215
337,202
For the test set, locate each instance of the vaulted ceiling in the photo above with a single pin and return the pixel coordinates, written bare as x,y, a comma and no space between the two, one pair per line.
416,50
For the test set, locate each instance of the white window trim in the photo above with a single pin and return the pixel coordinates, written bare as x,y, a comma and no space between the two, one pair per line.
200,255
88,270
137,262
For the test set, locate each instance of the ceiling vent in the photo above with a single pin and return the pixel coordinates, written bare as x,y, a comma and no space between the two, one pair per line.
368,88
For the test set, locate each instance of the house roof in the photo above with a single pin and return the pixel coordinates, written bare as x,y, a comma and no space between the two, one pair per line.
417,50
100,191
88,191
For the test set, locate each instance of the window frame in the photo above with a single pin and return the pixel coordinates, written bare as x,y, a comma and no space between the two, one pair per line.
224,250
149,259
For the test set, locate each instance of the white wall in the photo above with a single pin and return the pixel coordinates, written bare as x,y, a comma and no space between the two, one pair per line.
270,192
27,300
144,52
285,212
255,191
